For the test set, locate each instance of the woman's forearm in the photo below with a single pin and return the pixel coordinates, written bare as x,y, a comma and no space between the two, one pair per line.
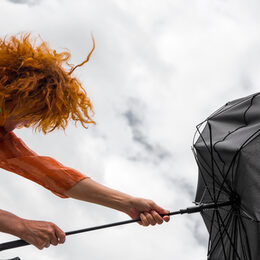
10,223
91,191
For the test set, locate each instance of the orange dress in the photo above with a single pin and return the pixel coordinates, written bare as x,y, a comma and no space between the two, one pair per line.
18,158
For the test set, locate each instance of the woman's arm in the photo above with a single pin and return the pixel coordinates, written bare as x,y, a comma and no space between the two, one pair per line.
91,191
38,233
17,157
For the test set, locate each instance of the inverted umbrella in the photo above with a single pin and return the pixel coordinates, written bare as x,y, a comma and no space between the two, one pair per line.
228,156
227,152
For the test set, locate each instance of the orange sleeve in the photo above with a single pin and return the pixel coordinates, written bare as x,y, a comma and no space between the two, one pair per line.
16,157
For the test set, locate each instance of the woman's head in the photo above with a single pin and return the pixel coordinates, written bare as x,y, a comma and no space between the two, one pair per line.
35,88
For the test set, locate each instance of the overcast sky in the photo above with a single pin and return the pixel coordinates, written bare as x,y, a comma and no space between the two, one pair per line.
159,69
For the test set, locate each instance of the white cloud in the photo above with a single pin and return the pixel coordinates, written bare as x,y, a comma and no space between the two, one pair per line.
159,68
28,2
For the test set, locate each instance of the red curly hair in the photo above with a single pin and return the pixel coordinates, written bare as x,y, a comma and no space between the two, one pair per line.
36,88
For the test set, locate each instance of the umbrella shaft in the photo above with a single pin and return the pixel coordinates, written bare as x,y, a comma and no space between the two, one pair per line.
198,208
201,207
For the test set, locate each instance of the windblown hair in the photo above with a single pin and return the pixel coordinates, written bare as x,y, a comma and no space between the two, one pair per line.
36,88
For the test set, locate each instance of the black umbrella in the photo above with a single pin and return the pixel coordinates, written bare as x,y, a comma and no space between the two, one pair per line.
228,155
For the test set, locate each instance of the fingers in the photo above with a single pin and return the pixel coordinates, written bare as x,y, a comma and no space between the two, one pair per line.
166,218
144,220
148,212
157,217
152,218
46,245
42,244
161,211
61,236
54,236
57,236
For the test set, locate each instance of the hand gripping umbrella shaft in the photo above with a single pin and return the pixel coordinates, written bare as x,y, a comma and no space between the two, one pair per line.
190,210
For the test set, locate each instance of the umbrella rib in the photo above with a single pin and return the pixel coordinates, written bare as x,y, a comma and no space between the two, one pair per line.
228,218
202,167
225,177
209,218
241,239
202,197
247,242
232,238
245,217
209,201
204,142
233,230
235,237
218,181
223,188
218,214
211,228
197,127
232,174
203,178
221,237
206,186
213,159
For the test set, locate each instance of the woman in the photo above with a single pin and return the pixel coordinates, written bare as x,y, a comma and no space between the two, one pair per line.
35,90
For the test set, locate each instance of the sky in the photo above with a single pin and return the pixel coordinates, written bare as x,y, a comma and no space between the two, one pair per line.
158,70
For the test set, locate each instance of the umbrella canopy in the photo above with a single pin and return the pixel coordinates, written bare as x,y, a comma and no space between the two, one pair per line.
227,152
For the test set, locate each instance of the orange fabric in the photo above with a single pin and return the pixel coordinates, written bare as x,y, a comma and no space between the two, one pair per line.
16,157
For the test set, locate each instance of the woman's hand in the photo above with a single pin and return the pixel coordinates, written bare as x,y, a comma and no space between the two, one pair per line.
41,233
147,211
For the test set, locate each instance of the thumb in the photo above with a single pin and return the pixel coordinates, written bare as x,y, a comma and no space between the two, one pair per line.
160,210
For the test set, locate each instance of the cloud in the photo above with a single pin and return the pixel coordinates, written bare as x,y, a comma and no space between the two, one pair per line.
139,137
28,2
157,71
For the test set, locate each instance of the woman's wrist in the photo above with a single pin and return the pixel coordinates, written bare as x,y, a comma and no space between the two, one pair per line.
120,201
20,227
